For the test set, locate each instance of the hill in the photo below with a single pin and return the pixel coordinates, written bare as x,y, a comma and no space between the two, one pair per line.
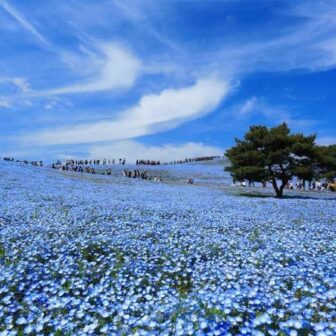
90,255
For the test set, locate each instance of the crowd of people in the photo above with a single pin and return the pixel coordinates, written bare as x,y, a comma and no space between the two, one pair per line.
157,163
73,167
195,159
298,185
147,162
85,166
313,185
33,163
95,162
142,175
76,166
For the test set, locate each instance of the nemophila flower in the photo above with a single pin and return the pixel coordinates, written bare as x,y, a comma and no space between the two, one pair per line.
322,333
174,261
21,321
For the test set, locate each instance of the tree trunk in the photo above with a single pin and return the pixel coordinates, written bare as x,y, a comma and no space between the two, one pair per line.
278,191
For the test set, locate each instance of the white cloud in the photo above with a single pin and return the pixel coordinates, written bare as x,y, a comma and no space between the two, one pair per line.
329,47
24,23
258,106
309,44
249,106
4,103
179,105
140,14
114,67
154,113
133,150
21,83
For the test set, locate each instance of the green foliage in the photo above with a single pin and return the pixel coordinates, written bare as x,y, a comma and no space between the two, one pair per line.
327,162
92,251
2,250
273,155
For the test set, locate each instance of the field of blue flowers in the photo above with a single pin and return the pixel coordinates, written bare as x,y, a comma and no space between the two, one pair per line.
100,255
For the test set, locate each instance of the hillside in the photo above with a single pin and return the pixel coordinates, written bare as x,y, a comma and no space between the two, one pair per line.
93,255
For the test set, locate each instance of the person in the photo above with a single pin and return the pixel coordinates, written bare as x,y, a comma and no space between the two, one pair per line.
190,180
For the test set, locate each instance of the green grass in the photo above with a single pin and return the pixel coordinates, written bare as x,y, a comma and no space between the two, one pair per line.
2,250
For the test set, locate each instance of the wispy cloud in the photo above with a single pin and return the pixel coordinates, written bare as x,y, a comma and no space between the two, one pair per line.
21,83
115,67
4,103
309,44
154,113
137,15
248,107
256,106
23,21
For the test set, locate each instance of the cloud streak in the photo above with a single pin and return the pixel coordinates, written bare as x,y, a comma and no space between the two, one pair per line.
115,68
255,106
24,23
309,44
154,113
20,82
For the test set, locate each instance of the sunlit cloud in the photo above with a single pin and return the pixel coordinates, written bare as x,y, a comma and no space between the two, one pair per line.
115,68
154,113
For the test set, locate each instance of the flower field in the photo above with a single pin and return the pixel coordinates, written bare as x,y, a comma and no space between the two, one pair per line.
99,255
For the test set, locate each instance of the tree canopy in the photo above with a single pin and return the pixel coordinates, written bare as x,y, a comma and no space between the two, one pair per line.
326,157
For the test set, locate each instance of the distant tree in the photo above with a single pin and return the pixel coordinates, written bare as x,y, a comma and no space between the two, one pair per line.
274,155
326,158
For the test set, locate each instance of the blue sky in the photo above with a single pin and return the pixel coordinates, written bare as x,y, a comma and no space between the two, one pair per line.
161,79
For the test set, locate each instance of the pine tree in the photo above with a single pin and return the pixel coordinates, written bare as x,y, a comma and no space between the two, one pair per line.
273,155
